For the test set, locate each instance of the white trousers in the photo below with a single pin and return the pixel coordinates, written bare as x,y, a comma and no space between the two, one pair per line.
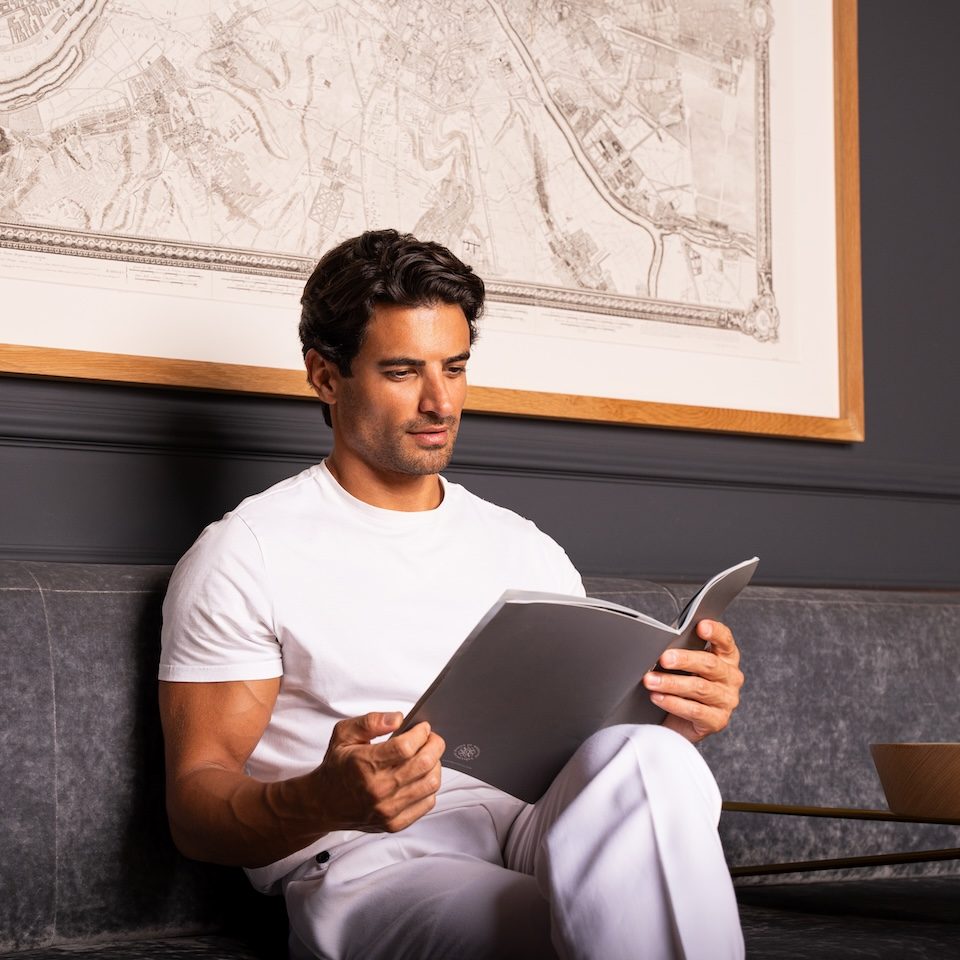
619,859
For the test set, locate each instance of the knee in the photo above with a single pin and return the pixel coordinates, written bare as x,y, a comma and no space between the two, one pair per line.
659,753
645,738
625,746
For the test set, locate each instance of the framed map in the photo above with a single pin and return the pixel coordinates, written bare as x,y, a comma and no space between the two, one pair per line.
661,195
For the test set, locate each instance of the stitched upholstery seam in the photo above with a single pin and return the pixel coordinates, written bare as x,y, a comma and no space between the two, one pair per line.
56,758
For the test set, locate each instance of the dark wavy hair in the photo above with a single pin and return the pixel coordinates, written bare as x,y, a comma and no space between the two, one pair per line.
379,266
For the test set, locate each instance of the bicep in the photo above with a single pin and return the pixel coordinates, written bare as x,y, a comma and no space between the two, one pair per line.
213,724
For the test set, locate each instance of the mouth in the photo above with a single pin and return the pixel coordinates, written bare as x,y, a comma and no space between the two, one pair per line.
435,435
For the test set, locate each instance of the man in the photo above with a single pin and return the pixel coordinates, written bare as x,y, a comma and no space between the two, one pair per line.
300,628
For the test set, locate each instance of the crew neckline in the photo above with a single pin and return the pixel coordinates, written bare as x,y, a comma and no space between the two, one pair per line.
384,515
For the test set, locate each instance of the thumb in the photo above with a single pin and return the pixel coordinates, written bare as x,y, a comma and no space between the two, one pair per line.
366,728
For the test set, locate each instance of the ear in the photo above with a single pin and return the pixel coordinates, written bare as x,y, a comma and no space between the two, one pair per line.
322,375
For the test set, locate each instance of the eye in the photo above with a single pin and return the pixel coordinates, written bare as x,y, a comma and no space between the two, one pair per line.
397,374
457,370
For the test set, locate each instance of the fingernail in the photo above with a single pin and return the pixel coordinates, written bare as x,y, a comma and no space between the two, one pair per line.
653,680
657,697
706,629
669,658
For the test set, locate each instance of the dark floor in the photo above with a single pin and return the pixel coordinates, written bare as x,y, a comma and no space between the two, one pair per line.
905,919
896,919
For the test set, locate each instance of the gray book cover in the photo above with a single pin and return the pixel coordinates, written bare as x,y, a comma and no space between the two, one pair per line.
541,672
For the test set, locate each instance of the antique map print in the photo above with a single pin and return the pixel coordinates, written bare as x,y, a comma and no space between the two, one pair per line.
598,157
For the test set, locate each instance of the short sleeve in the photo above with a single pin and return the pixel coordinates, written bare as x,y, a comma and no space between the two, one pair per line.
217,615
561,576
575,584
569,576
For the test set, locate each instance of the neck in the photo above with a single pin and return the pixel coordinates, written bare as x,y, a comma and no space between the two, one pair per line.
407,493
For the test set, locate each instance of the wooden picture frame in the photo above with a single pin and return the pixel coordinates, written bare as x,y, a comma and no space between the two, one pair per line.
847,425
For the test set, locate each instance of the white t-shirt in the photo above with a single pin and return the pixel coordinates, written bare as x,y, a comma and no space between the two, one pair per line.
357,608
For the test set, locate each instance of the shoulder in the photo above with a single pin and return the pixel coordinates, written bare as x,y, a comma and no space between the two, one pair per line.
278,511
518,540
501,518
280,499
234,543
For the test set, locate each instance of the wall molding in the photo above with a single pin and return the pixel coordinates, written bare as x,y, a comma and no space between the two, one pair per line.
72,553
228,426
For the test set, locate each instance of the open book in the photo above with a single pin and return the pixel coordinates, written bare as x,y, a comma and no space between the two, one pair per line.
541,672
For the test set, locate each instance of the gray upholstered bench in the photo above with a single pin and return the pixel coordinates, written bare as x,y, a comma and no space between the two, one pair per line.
87,866
87,858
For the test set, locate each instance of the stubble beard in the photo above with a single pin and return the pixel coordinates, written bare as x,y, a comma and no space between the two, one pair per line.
391,452
421,462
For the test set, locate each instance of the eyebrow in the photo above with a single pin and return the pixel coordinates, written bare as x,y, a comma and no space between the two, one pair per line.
413,362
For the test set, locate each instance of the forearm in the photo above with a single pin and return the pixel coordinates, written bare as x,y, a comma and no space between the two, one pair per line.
223,816
219,814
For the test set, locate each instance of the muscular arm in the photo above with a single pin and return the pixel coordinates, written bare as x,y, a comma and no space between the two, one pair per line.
218,813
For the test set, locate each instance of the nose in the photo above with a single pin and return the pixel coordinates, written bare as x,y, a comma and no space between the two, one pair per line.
435,394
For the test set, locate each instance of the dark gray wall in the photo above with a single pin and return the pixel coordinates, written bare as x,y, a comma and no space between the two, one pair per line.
110,473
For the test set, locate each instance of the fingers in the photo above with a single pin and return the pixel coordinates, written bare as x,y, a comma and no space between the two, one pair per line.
404,758
701,699
379,786
703,663
409,814
408,758
690,718
366,728
394,794
704,706
405,746
720,638
723,692
711,663
404,805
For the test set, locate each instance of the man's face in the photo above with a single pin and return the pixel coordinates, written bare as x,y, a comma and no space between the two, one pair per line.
399,412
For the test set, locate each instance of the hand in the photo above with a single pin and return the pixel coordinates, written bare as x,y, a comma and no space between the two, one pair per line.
702,703
380,787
